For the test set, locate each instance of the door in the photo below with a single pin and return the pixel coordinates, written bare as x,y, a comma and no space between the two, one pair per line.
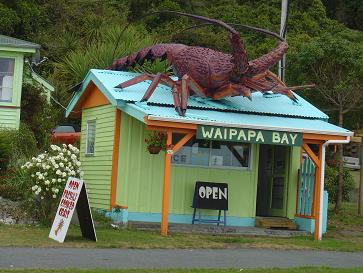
272,178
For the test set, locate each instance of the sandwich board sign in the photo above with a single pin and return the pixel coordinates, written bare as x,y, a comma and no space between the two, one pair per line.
74,197
210,195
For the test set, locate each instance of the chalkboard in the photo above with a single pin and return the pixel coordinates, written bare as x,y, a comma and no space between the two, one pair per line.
210,195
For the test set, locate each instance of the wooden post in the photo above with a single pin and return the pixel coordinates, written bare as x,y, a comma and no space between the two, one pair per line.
318,205
166,186
115,155
360,200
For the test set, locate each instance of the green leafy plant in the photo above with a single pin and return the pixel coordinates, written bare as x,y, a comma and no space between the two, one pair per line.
9,191
14,184
331,183
156,139
16,146
39,115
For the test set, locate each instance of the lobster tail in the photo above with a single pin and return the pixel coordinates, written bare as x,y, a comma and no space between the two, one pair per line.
158,51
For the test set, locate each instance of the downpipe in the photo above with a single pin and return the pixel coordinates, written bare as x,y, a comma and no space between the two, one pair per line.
322,179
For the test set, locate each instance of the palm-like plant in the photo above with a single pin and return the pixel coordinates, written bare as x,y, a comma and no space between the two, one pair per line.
111,44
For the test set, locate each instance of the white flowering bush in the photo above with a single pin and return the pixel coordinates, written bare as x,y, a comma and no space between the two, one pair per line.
49,172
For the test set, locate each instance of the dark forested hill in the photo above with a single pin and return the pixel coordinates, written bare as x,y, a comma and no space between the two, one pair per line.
80,34
349,12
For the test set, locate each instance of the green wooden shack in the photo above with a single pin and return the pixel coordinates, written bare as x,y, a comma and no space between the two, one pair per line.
12,54
269,151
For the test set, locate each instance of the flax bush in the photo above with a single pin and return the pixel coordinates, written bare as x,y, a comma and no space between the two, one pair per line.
48,173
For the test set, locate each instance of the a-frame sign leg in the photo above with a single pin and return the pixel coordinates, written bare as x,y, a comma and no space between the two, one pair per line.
85,217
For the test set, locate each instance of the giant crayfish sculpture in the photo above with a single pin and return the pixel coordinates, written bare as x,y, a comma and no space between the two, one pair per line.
208,73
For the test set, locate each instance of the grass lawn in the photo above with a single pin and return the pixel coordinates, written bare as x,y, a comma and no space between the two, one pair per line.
345,234
265,270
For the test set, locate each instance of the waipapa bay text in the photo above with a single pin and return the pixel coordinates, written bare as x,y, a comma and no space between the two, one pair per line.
249,135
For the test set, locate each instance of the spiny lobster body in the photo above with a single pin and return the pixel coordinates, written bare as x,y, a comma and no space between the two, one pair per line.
210,68
206,72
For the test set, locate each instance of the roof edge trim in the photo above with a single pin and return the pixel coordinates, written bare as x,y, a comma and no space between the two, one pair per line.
260,127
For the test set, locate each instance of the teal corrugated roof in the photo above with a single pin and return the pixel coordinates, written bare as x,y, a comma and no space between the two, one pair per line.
273,104
274,112
14,42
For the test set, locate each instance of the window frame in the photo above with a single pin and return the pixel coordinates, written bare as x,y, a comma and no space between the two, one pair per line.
250,160
13,82
86,152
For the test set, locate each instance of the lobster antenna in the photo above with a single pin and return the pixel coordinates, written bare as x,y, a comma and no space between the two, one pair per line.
261,30
196,17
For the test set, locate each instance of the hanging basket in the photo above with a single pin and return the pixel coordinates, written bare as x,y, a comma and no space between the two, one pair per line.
154,150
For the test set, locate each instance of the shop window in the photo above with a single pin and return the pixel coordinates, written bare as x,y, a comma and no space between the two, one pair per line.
215,154
6,79
90,137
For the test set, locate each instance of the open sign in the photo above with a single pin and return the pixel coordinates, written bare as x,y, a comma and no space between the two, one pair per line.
208,195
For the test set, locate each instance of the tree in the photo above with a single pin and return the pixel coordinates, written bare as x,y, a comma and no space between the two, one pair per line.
336,66
8,20
38,114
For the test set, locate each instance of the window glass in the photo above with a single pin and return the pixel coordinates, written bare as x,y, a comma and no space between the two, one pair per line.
229,154
194,152
211,153
6,78
91,137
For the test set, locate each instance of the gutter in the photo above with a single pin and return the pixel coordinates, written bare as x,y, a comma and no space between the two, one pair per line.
322,179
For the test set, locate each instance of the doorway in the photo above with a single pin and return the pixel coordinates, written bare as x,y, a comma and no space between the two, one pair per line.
272,177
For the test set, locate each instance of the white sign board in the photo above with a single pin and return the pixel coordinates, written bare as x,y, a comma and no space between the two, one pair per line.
66,208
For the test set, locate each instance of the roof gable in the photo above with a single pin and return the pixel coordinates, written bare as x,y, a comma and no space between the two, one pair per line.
7,41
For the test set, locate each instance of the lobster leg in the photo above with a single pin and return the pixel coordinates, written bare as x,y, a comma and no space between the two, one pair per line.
151,87
137,79
184,96
197,89
187,84
158,78
269,81
176,98
231,89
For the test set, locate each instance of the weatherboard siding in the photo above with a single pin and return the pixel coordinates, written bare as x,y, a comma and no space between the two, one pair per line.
98,167
140,178
9,118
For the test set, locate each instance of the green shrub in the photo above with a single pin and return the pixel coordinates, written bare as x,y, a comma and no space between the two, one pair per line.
38,114
16,146
15,184
5,150
331,183
10,191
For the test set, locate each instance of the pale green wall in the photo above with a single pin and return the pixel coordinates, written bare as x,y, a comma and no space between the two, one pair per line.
295,154
9,118
140,177
97,168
